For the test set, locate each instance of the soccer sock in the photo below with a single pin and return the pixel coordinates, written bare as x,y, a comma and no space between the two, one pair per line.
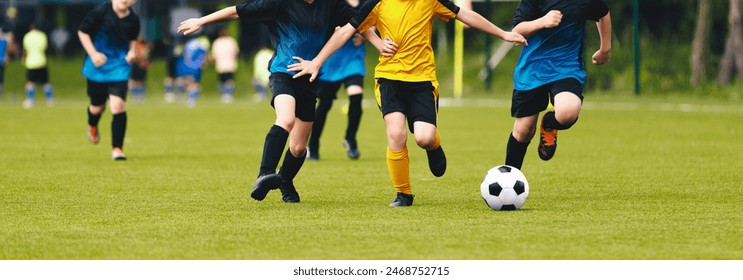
321,114
138,90
118,129
272,148
48,91
354,117
550,122
222,88
169,87
31,92
229,89
437,142
398,165
93,119
180,87
193,94
291,165
515,152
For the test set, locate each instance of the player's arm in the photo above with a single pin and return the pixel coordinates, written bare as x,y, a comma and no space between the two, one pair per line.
312,67
386,46
98,58
194,24
604,26
550,20
475,20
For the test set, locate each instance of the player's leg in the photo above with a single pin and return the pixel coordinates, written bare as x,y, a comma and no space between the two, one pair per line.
326,93
567,97
354,88
525,108
193,86
30,95
48,91
227,87
284,105
387,93
98,94
422,115
117,94
297,152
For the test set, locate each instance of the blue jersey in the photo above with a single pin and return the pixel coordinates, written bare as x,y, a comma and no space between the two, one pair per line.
191,60
347,61
554,53
111,36
297,28
3,49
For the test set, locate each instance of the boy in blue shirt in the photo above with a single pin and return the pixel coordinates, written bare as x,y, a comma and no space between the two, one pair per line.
109,35
551,69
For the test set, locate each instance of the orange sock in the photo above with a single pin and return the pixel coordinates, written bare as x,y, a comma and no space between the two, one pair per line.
437,143
398,164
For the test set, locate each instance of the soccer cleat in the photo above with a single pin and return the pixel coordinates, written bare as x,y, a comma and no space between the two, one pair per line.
352,149
117,154
289,192
264,184
93,134
28,103
50,102
437,161
227,98
169,97
547,140
402,200
312,155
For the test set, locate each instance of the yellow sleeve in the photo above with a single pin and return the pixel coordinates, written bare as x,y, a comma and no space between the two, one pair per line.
369,21
445,10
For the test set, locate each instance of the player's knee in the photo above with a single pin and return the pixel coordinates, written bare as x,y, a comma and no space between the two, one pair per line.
524,135
425,142
298,150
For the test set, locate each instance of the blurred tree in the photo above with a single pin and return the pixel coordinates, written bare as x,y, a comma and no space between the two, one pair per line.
700,44
732,57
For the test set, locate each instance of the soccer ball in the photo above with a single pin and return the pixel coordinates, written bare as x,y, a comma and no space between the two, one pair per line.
504,188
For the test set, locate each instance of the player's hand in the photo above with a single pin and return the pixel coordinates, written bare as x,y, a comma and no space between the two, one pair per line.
130,56
304,67
358,39
389,47
98,59
600,57
190,26
515,38
551,19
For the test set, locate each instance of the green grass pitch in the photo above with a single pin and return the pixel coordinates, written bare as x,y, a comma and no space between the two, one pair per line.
634,179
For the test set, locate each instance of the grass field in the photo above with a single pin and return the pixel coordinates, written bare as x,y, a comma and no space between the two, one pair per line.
636,178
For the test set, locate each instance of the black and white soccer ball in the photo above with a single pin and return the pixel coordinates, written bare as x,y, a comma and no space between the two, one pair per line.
504,188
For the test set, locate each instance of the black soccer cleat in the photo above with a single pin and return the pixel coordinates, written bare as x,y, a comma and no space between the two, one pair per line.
312,155
402,200
437,161
547,140
264,184
352,149
289,192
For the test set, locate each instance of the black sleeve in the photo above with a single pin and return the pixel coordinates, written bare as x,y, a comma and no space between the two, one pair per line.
597,10
342,13
254,11
134,31
528,10
362,12
449,4
94,20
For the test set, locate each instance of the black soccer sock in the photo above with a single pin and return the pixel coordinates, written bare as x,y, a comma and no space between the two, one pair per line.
272,148
515,152
550,122
354,118
118,129
93,119
291,165
321,114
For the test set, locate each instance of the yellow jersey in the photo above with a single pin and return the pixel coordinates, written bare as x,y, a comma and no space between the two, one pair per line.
408,23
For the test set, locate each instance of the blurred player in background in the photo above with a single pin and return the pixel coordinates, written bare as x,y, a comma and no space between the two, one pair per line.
109,35
261,74
345,67
7,47
138,78
35,43
189,67
551,69
224,52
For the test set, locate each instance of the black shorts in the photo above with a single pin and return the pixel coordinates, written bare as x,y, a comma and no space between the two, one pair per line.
419,101
38,76
301,89
170,63
530,102
224,77
2,73
138,73
329,90
99,92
